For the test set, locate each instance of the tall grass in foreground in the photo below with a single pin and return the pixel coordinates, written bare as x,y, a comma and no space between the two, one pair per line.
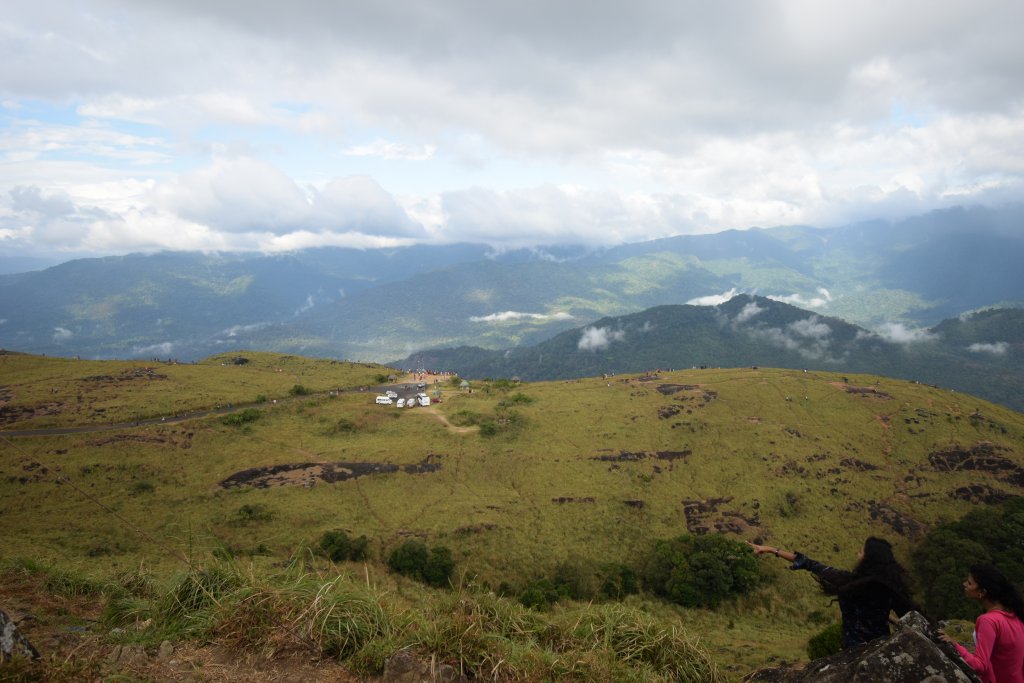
349,618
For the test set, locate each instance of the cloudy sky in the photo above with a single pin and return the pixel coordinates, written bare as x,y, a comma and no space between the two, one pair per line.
265,125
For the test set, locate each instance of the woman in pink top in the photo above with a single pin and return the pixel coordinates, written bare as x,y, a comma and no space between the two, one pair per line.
998,633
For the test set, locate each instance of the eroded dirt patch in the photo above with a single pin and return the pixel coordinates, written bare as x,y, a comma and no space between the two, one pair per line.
181,440
11,414
308,473
562,500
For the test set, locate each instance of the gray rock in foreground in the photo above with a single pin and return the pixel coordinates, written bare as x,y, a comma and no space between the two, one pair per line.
908,656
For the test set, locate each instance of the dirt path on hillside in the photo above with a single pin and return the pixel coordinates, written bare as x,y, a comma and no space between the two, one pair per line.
444,420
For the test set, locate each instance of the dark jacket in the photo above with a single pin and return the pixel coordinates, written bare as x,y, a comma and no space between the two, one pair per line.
864,601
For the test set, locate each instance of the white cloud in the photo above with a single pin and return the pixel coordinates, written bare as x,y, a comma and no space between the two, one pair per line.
235,330
599,338
809,337
713,299
996,349
748,312
155,350
898,333
507,316
812,328
804,302
532,126
62,334
392,150
309,303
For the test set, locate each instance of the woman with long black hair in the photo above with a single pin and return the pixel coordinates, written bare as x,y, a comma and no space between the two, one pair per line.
998,655
876,586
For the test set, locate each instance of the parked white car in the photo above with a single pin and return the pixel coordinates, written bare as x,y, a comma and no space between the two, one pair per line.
401,403
423,399
384,400
391,394
410,403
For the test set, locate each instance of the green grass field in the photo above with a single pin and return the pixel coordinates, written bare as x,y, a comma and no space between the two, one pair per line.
791,457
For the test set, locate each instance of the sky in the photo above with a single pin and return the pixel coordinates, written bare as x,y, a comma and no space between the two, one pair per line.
250,125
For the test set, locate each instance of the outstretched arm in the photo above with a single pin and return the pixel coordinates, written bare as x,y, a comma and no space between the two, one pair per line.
787,555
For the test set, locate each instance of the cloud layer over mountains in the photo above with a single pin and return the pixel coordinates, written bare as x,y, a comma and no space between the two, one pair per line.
274,126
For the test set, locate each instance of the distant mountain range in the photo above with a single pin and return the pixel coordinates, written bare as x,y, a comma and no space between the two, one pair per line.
389,303
980,353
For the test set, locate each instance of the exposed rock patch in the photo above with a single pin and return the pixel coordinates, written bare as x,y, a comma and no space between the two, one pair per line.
562,500
982,457
899,522
858,465
627,456
306,474
669,389
979,493
912,654
703,516
867,392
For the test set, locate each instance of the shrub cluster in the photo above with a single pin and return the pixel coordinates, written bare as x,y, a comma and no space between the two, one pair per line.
700,571
241,418
432,566
986,535
580,579
338,547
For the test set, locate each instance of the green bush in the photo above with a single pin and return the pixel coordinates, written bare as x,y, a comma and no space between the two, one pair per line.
541,594
941,561
261,398
241,418
488,428
700,571
826,642
299,390
253,513
518,397
337,546
439,567
432,566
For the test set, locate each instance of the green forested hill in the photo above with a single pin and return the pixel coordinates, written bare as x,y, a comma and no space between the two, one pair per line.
587,472
980,353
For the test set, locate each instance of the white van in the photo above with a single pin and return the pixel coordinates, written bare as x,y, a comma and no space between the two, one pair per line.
384,400
423,399
401,403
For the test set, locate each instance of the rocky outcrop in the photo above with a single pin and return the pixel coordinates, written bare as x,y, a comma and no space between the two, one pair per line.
405,667
911,655
12,642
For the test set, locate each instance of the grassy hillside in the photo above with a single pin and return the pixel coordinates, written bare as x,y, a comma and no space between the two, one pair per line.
591,470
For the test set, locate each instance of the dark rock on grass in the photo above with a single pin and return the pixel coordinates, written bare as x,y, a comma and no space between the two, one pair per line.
911,655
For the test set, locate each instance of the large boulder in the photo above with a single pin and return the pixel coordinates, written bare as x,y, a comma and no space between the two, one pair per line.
911,655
